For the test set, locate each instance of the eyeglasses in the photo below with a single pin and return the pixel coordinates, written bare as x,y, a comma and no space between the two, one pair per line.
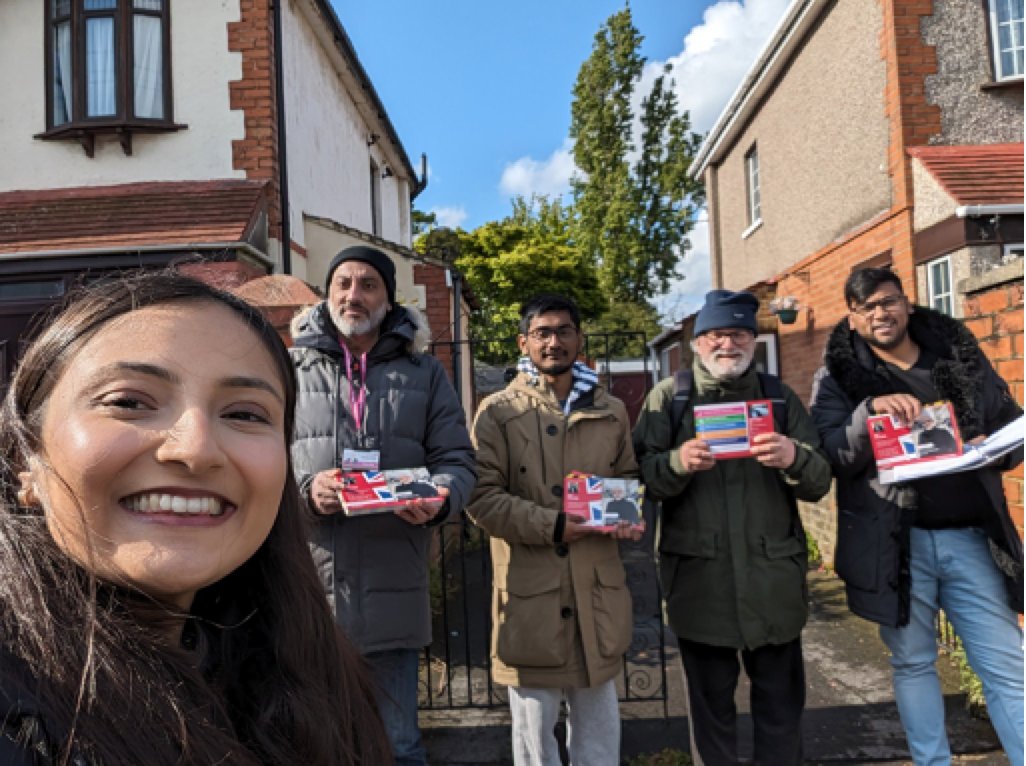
890,304
565,333
737,337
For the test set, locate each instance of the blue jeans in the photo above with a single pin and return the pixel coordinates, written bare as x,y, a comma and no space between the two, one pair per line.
395,675
952,569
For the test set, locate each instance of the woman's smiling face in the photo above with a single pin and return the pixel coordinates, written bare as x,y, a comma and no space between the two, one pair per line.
164,455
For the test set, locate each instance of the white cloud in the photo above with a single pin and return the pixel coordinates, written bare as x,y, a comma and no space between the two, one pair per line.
716,56
549,177
687,293
452,217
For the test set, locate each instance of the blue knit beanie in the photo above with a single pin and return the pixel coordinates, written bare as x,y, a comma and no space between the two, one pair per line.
725,309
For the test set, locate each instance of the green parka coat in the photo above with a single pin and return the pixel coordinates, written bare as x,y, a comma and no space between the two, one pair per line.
561,613
732,548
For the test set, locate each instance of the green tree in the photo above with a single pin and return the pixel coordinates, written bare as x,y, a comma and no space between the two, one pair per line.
528,252
441,242
633,201
422,222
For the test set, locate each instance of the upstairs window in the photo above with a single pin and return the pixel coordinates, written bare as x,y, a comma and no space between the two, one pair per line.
753,192
938,284
107,68
1006,29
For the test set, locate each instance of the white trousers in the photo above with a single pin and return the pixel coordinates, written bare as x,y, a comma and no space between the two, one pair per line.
592,726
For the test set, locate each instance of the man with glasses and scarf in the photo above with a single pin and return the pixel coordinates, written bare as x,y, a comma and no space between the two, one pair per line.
946,542
732,550
561,610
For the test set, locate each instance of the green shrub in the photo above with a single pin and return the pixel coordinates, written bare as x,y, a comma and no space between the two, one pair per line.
969,682
667,757
813,547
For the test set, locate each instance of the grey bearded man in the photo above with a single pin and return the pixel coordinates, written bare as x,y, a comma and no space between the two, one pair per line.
732,552
368,398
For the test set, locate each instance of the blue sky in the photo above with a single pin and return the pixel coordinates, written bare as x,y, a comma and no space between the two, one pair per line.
484,88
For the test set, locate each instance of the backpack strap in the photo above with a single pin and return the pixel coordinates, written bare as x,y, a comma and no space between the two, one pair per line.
774,391
683,380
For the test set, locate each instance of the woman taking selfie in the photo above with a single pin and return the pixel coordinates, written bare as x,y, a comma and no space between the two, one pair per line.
158,602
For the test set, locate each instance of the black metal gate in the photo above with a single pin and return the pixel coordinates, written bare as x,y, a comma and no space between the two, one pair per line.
455,671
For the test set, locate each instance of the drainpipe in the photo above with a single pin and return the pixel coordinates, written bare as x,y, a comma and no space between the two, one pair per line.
422,182
457,351
283,167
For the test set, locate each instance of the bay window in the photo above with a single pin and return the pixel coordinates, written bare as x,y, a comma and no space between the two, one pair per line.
108,69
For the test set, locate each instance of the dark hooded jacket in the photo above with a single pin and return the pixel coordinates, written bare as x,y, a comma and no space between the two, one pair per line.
375,568
874,519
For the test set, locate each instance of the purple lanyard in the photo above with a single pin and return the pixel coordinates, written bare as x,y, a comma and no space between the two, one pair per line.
357,401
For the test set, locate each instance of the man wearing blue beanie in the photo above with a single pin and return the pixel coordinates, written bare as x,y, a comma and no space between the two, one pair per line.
732,552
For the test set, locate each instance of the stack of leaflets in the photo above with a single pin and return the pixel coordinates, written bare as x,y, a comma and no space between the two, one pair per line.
366,492
602,502
728,428
932,445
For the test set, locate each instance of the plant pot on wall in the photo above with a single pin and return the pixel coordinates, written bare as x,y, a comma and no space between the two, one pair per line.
787,316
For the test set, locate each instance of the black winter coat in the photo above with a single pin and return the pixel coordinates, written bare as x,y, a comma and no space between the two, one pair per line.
874,519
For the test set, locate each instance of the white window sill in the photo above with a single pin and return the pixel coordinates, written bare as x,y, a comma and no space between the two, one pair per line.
751,229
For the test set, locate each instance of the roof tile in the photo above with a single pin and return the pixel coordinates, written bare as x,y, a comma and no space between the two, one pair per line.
976,175
130,215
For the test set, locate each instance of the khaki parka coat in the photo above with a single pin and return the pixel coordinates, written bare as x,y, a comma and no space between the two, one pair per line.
561,613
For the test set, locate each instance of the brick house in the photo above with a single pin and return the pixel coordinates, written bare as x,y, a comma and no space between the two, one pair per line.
876,132
149,132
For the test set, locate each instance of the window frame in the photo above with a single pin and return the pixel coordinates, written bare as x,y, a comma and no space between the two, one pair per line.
375,197
994,42
768,341
753,189
932,295
124,122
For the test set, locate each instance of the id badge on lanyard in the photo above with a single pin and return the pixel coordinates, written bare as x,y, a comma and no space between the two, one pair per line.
363,458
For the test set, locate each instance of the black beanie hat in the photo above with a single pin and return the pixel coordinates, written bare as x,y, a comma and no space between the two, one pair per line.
369,255
724,309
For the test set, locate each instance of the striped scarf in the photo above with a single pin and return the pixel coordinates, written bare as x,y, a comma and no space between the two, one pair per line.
585,379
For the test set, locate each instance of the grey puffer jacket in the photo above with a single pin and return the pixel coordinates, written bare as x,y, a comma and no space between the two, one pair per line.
375,568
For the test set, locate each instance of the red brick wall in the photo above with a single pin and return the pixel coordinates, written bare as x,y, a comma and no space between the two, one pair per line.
909,60
995,315
818,283
256,153
438,311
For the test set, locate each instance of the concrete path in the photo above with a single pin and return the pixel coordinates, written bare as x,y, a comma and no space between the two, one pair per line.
850,714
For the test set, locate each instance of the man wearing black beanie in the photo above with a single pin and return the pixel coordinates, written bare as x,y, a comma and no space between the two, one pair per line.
367,401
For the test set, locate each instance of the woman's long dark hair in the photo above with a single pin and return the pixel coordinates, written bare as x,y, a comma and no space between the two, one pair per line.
272,681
